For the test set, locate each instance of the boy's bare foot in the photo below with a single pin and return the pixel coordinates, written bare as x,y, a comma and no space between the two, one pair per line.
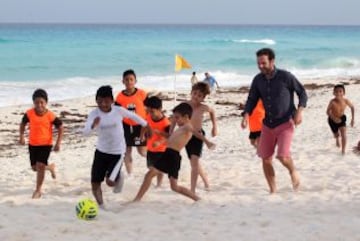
295,179
36,195
52,170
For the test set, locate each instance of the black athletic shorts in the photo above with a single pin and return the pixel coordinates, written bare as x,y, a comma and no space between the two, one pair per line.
255,134
152,157
39,154
194,146
169,163
103,165
335,126
131,133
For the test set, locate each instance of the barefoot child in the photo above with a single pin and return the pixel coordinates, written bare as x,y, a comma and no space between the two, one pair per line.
132,98
160,125
40,121
194,147
106,119
337,118
170,161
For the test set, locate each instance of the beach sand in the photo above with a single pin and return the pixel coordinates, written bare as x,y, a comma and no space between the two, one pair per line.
238,206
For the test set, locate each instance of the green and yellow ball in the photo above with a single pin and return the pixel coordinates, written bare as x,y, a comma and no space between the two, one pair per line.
86,209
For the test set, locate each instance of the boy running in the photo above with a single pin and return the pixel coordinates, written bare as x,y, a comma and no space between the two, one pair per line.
110,145
170,161
337,117
160,125
132,98
194,147
40,121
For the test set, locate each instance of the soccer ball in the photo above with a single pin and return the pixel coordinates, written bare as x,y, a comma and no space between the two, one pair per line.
86,209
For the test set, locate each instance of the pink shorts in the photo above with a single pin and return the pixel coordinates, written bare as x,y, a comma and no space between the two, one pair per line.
280,135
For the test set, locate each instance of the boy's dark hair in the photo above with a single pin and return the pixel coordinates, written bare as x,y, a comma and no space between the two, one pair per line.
153,102
128,72
104,91
40,93
183,109
339,86
203,87
266,51
194,73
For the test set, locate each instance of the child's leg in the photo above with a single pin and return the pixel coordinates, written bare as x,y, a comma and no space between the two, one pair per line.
51,168
182,190
159,178
141,150
97,192
343,139
128,160
196,170
40,175
146,183
289,164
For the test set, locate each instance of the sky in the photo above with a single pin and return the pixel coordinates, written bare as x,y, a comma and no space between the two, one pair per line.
304,12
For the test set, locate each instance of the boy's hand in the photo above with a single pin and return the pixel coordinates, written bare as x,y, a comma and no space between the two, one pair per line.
22,141
57,147
95,122
210,145
298,117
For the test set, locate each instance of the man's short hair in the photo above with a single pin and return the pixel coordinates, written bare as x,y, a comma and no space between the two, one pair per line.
203,87
183,109
266,51
104,91
40,93
129,72
153,102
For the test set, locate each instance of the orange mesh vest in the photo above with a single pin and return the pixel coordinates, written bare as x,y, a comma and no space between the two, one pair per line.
256,117
160,125
40,128
134,102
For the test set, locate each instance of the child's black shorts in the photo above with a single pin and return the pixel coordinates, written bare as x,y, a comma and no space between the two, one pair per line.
169,163
39,154
103,165
152,157
131,133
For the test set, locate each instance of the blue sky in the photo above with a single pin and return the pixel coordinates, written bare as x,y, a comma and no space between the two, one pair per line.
324,12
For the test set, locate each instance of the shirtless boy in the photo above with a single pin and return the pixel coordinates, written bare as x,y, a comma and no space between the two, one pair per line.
337,117
170,161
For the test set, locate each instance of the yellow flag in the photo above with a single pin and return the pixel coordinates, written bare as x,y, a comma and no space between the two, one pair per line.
181,63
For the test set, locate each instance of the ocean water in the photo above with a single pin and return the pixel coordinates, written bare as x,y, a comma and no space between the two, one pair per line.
72,61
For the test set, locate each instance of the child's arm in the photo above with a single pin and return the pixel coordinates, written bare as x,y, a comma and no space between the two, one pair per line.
91,123
329,112
23,123
59,125
352,112
214,130
200,136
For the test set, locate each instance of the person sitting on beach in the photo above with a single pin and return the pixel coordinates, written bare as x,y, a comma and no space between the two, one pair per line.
194,147
255,123
194,79
337,117
170,161
40,121
110,146
211,81
160,126
132,98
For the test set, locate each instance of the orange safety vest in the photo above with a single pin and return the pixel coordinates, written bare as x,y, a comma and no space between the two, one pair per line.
40,128
134,102
256,117
160,125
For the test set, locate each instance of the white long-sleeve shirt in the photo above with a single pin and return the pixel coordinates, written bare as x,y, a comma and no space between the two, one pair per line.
110,130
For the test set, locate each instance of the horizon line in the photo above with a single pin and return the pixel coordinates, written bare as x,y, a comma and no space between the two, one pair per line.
182,24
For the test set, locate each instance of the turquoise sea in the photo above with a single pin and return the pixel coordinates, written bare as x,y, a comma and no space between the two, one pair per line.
73,60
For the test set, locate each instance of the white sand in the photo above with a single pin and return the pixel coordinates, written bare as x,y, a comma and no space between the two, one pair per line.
238,207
